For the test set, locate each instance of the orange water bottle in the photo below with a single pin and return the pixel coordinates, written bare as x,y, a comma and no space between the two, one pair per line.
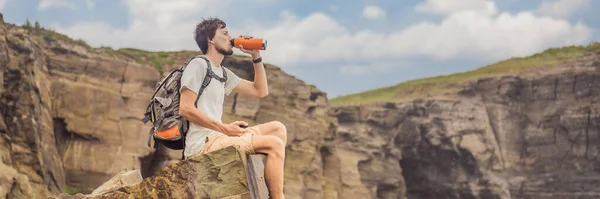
251,43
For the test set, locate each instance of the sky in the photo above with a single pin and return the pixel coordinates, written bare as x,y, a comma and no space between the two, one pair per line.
340,46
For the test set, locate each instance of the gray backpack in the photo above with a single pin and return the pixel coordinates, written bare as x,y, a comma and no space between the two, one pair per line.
169,128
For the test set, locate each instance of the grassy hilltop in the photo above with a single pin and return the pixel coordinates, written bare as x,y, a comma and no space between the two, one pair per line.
431,86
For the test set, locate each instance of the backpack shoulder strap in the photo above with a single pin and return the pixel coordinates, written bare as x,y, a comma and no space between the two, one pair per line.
190,60
224,73
206,81
212,74
209,75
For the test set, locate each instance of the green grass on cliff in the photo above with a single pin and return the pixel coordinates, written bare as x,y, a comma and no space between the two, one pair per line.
451,83
156,59
49,35
69,190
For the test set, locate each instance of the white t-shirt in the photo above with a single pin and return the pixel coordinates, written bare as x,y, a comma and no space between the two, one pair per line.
210,102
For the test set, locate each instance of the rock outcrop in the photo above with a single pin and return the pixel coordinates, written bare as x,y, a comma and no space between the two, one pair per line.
71,116
224,173
527,136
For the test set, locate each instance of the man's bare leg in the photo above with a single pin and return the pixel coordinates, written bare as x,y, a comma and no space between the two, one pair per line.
274,148
275,128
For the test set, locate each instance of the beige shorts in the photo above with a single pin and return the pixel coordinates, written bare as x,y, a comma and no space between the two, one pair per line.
244,142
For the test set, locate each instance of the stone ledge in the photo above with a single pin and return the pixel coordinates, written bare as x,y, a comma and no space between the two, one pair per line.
226,173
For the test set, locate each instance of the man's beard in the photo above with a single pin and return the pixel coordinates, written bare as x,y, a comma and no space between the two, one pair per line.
224,51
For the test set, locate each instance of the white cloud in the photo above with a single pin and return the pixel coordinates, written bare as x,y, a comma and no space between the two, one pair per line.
319,39
462,34
373,12
46,4
454,6
155,25
561,8
166,13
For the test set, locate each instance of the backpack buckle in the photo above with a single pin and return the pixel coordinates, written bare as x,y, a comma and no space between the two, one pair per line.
146,118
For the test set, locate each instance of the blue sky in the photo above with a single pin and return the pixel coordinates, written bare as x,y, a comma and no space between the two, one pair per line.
341,46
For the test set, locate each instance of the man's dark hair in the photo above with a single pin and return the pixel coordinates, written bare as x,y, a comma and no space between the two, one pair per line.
205,30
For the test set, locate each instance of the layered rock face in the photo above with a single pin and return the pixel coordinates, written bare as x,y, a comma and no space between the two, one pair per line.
529,136
71,116
426,149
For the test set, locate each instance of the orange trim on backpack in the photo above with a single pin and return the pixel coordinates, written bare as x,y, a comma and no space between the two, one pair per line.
169,133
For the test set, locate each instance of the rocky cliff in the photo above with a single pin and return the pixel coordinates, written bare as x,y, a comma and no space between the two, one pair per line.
71,115
533,135
70,120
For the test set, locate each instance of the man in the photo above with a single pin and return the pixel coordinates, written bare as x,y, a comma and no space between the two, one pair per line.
206,132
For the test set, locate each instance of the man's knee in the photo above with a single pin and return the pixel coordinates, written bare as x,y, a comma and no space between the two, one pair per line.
277,146
280,128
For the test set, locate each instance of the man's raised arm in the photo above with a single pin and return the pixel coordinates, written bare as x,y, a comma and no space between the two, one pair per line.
259,87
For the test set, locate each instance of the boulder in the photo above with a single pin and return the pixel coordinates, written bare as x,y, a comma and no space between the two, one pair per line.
225,173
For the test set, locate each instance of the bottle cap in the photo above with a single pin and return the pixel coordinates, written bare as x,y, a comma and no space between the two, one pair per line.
264,44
